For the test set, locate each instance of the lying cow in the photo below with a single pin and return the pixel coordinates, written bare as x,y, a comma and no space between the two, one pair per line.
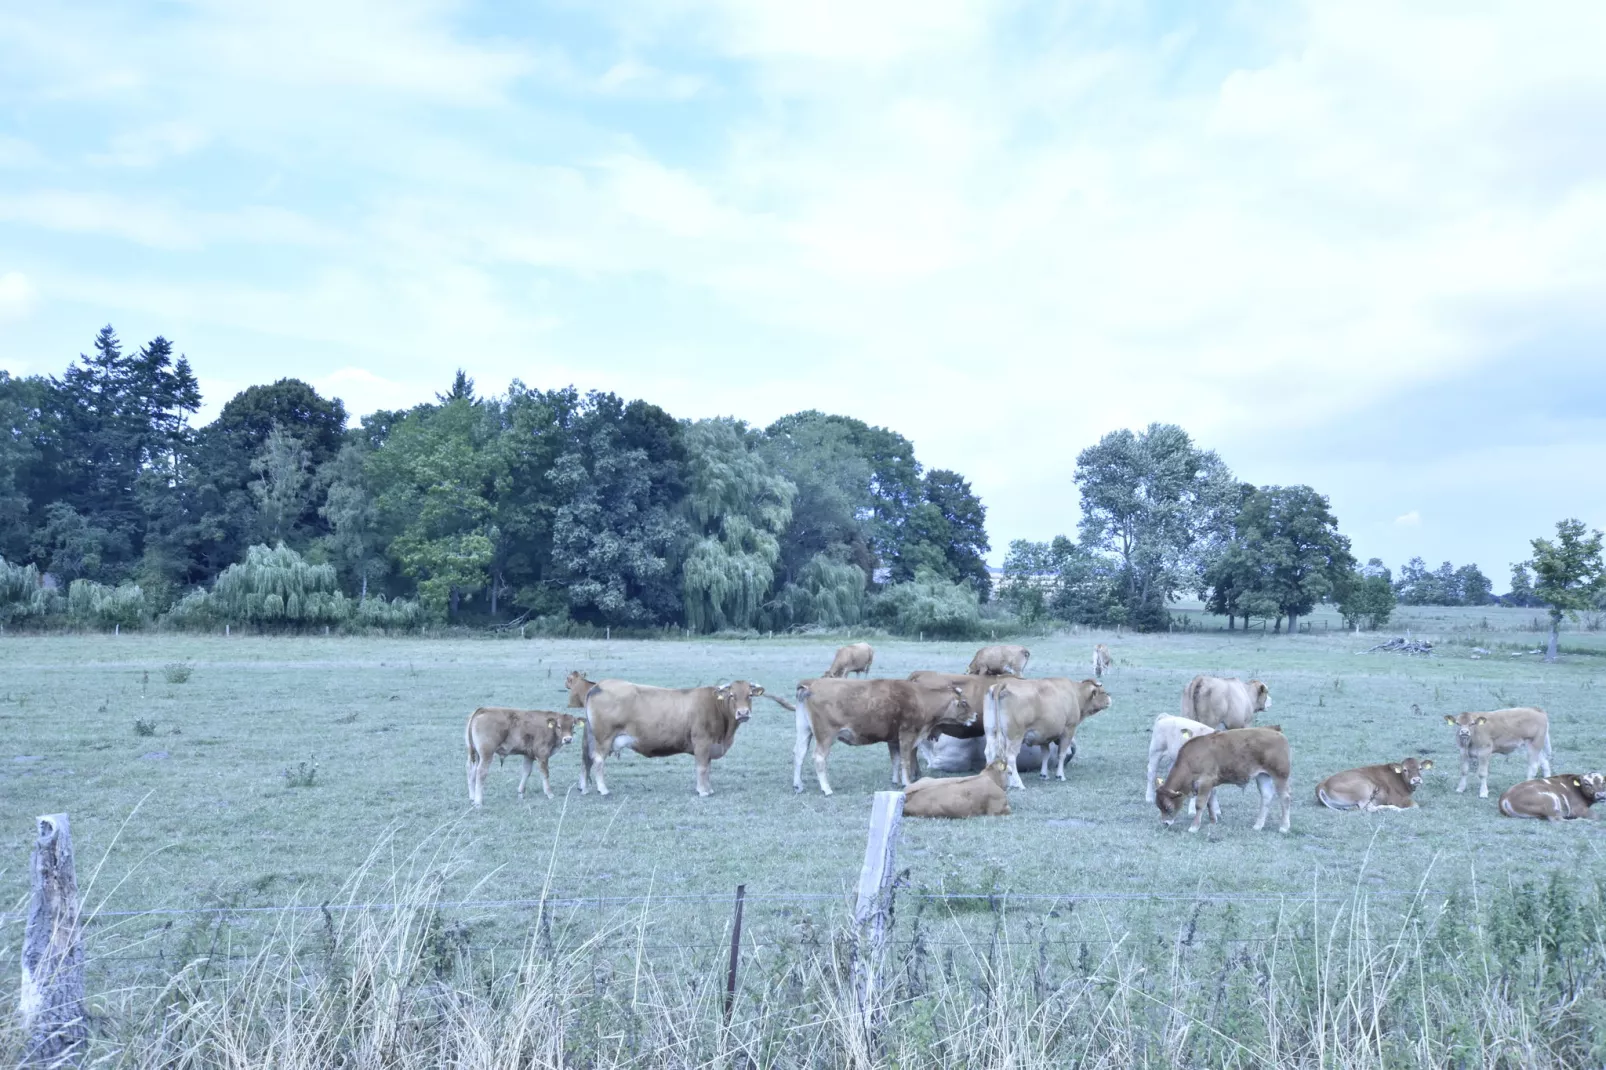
660,721
577,685
859,712
983,795
499,730
1555,798
1101,660
1482,735
850,659
1001,660
1165,740
1231,757
1224,701
956,754
1374,787
1045,711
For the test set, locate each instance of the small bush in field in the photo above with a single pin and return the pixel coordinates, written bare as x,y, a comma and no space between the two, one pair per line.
177,672
143,727
303,775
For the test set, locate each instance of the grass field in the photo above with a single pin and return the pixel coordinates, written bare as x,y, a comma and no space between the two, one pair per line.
194,810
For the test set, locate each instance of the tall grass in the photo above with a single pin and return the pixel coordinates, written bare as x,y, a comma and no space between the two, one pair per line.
1509,979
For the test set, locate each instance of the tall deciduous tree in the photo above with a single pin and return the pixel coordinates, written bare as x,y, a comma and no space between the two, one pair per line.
1294,538
1568,572
1366,597
946,532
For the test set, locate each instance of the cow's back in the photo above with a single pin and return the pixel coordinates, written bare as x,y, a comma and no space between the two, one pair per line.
660,720
1234,755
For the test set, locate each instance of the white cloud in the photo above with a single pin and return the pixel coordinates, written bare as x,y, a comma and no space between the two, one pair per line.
152,145
17,296
1413,519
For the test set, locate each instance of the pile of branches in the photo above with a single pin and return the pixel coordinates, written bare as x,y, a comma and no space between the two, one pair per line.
1402,645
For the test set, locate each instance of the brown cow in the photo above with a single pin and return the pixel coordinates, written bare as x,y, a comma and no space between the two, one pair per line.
1555,798
1044,711
859,712
982,795
1481,735
850,659
499,730
1374,787
1236,756
577,685
1000,660
1224,701
1101,660
660,721
975,689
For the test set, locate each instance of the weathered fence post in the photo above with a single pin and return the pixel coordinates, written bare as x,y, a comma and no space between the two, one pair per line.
52,1001
736,954
872,916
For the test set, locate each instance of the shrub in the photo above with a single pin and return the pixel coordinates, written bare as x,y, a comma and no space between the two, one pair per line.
929,605
96,604
177,672
827,594
143,727
21,595
303,775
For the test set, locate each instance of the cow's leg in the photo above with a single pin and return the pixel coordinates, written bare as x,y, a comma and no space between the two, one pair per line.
1202,809
822,750
1155,754
1067,748
1263,782
1466,764
1287,792
599,755
895,758
546,780
700,752
805,736
1483,774
1048,758
529,764
908,759
473,766
1538,761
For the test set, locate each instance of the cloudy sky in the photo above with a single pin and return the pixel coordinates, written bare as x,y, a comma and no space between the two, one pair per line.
1360,245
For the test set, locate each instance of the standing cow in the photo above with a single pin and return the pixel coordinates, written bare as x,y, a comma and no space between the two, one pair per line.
1231,757
1165,740
1003,659
1224,701
1101,661
1554,798
499,730
660,721
860,712
855,658
1045,711
577,686
1482,735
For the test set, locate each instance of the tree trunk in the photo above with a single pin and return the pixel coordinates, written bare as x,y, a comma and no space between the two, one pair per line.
1231,619
1293,624
455,598
496,582
364,596
1555,626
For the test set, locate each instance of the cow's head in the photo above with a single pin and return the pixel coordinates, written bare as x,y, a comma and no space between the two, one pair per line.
1262,695
1411,770
739,696
563,725
1465,726
1591,785
961,712
1097,700
1167,800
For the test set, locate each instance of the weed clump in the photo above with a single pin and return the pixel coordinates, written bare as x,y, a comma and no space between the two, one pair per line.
177,672
304,775
144,726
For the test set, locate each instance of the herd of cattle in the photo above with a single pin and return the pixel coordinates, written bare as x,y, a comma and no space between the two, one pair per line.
994,719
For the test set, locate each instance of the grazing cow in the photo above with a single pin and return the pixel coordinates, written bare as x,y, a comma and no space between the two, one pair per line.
983,795
1045,712
1555,798
577,685
1000,660
954,754
859,712
498,730
850,659
1232,757
1165,739
1224,701
1101,660
660,721
1480,735
1374,787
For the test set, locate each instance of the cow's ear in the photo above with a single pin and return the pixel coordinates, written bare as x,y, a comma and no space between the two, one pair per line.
1427,764
1483,720
1448,719
1397,768
550,723
757,689
1576,784
1187,733
1159,781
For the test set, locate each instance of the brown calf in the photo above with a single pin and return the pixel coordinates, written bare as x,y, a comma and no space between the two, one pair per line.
1482,735
982,795
853,658
1003,659
577,685
1374,787
1235,756
1555,798
499,730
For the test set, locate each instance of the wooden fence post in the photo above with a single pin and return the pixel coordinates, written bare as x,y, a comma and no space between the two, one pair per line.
52,1001
736,954
872,915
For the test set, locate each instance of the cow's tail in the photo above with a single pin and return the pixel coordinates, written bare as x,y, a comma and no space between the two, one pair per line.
785,705
588,746
468,737
1322,797
1505,807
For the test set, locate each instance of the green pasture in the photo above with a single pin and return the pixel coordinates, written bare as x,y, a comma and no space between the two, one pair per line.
201,813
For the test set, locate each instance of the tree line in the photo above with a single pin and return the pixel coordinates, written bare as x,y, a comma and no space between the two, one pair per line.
537,504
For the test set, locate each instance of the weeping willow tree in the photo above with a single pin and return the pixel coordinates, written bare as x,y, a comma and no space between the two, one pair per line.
929,605
739,505
96,604
277,587
22,597
827,592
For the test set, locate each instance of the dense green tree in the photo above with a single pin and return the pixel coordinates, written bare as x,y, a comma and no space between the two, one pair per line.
1366,597
1294,538
1522,587
834,510
1062,580
534,430
1146,497
928,605
1473,588
1568,573
946,532
828,592
22,439
354,545
737,505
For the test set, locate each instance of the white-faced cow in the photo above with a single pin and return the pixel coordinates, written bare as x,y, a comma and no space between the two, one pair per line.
860,712
1554,798
1232,757
854,658
1101,660
1165,740
1003,659
983,795
499,730
1374,787
1224,701
660,721
1045,711
1481,735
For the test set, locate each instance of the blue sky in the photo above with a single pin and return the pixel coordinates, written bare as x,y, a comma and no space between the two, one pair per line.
1358,245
